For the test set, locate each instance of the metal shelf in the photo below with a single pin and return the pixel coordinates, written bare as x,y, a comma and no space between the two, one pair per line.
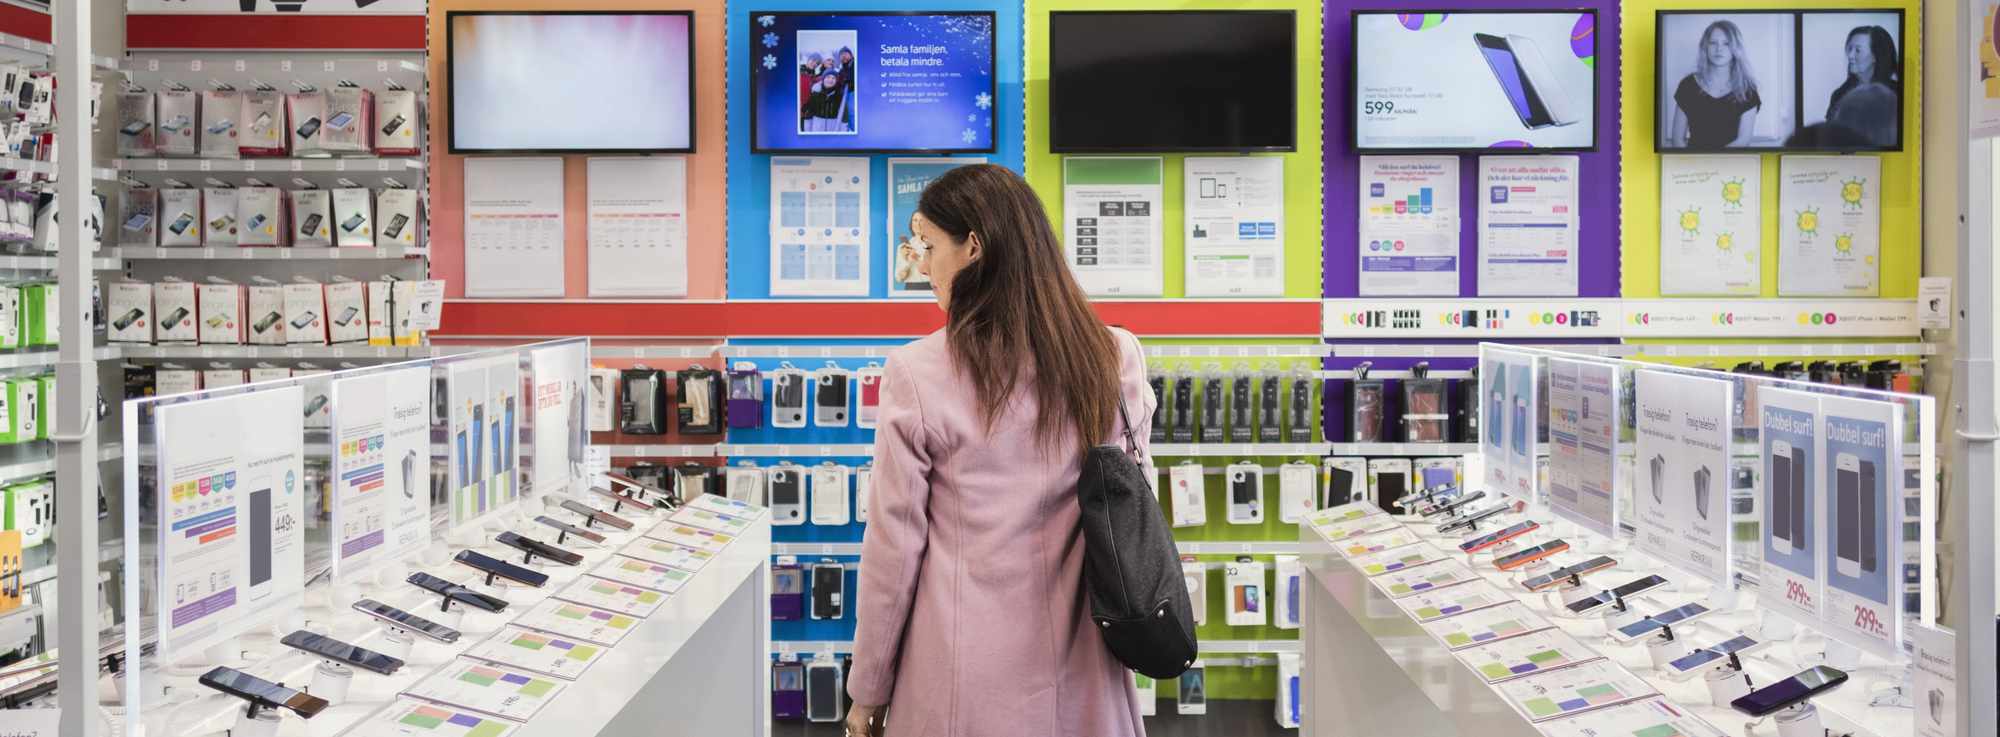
46,466
47,357
1348,374
1318,350
234,253
1250,646
1734,350
15,45
269,65
663,451
266,351
807,351
1190,547
787,647
48,168
775,451
804,549
1238,449
654,351
33,263
351,165
1469,350
1404,449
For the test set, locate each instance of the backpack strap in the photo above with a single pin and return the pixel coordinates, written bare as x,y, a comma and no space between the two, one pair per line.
1131,439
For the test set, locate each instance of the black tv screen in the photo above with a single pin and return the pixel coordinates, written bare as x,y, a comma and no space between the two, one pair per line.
1169,81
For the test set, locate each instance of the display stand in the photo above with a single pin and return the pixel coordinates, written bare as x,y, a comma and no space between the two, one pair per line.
1726,684
331,681
1800,721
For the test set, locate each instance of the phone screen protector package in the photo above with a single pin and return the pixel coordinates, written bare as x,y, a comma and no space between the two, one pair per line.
1190,494
266,315
171,381
258,221
175,121
220,109
1245,594
139,224
1297,492
221,321
599,408
305,313
398,129
1290,576
318,411
396,212
136,134
218,205
40,318
261,124
390,305
174,302
350,117
1191,698
10,316
180,220
312,218
260,374
130,305
346,312
353,217
221,378
308,117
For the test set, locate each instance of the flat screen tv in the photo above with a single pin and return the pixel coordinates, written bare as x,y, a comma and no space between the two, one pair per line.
1466,81
1173,81
872,82
1779,80
570,81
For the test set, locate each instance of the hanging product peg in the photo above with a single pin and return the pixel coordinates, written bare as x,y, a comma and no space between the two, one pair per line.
221,86
393,84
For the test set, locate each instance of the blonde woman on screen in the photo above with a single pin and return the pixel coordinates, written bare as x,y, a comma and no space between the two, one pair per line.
1716,106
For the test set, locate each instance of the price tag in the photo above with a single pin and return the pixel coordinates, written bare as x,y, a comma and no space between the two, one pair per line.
380,351
249,164
1763,350
381,66
285,254
207,352
826,352
383,164
298,165
241,65
1243,549
160,165
826,550
194,66
285,65
207,165
784,450
1430,351
1715,350
208,253
297,352
152,65
327,65
340,165
1271,351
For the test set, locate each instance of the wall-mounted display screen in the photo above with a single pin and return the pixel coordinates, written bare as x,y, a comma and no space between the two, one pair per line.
872,82
1472,81
1173,81
570,82
1780,80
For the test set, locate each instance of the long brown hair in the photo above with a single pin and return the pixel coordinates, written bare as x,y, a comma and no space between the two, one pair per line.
1018,300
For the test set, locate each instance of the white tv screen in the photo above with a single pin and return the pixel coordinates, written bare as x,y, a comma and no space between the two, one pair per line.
570,82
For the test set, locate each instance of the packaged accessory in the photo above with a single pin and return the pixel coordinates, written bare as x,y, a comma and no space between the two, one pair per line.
1181,429
829,589
353,217
1367,401
175,115
174,302
266,315
136,115
221,306
788,686
869,403
746,397
350,120
1465,411
346,310
700,407
259,223
864,487
1242,407
261,124
1388,480
1271,406
1424,413
218,204
396,210
787,493
1160,405
1290,575
1190,492
1299,413
180,220
307,109
1296,491
139,224
1149,694
312,218
222,378
220,109
130,305
825,696
1194,575
260,374
1245,482
315,404
21,411
1246,593
788,397
745,483
397,123
40,317
830,396
1290,673
171,380
642,409
788,590
1192,696
692,480
390,307
603,389
44,233
305,313
829,495
1213,397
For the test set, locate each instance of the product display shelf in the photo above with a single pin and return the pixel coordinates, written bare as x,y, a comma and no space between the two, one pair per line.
1218,450
807,351
1818,350
1251,547
803,449
1467,350
24,49
1404,449
25,262
1348,374
816,549
1371,669
44,466
40,358
352,165
643,352
354,352
664,451
1238,351
270,64
145,253
48,168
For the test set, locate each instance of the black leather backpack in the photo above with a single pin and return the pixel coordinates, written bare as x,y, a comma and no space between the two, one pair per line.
1130,565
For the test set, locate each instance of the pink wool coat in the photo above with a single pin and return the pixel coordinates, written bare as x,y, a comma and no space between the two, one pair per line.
972,619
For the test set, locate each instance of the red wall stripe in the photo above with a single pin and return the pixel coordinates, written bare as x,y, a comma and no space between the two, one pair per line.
273,31
843,319
26,23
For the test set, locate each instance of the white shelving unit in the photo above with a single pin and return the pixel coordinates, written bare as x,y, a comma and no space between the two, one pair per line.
1213,450
355,165
1404,449
816,549
143,253
782,450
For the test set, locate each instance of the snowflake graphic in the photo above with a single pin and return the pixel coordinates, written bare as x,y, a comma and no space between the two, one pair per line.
968,136
766,21
770,40
972,117
983,101
770,62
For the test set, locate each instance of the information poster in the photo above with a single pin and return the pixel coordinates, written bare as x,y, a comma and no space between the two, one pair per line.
1409,226
1711,226
381,467
1113,232
1682,495
1864,523
1648,718
1452,601
1525,655
1507,446
1583,435
483,394
642,574
568,619
907,180
1527,226
638,226
1568,691
1934,678
1985,94
1406,582
488,689
513,227
559,437
232,513
819,226
1793,488
1234,220
545,654
411,718
1830,227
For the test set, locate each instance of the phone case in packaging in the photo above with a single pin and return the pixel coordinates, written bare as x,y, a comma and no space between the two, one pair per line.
266,315
1159,383
1190,495
744,484
1465,410
700,408
788,398
788,688
223,378
259,222
221,319
1289,576
868,402
174,301
319,411
828,586
312,218
1246,594
643,401
1191,698
261,125
825,696
1388,480
180,220
176,122
830,402
1244,484
40,320
603,390
136,134
1367,403
308,121
396,211
788,590
139,224
746,397
10,317
218,205
1288,699
130,306
1195,574
864,487
1296,492
168,382
1300,417
260,374
1425,419
829,495
346,312
220,109
350,121
397,126
353,217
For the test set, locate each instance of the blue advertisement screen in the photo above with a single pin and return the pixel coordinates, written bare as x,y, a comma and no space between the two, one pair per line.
872,82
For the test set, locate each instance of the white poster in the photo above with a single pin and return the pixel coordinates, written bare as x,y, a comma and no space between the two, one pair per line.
1830,226
1527,226
1711,226
232,513
302,7
1681,498
1583,439
907,180
819,226
1234,224
482,436
1934,679
381,467
638,226
1789,578
1863,557
1113,227
1507,386
559,434
1409,226
513,227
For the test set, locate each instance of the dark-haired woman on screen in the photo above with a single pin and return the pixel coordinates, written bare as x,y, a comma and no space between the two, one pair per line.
1716,106
1869,102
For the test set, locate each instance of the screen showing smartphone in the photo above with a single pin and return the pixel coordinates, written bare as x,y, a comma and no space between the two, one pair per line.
597,515
260,537
341,652
1808,683
1713,654
1513,80
495,567
569,529
353,221
1520,558
257,690
1560,575
1496,537
1625,590
406,621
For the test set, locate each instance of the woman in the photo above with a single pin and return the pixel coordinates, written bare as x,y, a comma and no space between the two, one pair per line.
972,618
846,57
1869,102
1716,106
825,103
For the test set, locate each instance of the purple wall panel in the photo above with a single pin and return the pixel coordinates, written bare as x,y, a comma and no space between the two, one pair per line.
1598,269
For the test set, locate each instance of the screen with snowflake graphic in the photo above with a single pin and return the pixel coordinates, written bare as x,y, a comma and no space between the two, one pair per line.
872,82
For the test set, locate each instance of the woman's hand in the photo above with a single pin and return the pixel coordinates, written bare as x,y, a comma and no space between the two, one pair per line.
864,721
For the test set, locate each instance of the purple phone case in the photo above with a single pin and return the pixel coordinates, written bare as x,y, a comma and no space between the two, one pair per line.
788,607
788,704
744,413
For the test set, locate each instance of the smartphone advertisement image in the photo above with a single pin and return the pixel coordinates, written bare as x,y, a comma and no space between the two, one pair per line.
1475,80
1508,380
1790,504
1863,554
1684,432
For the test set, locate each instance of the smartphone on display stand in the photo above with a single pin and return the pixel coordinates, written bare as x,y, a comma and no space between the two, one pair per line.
1521,558
1718,653
494,568
1790,692
569,530
1577,571
1472,520
1676,616
407,622
313,643
1624,592
452,592
592,514
533,547
1496,537
1452,505
260,693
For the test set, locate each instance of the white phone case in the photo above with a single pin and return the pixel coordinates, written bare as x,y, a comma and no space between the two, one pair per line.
745,484
1190,492
864,486
1297,484
1195,575
1285,592
829,495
